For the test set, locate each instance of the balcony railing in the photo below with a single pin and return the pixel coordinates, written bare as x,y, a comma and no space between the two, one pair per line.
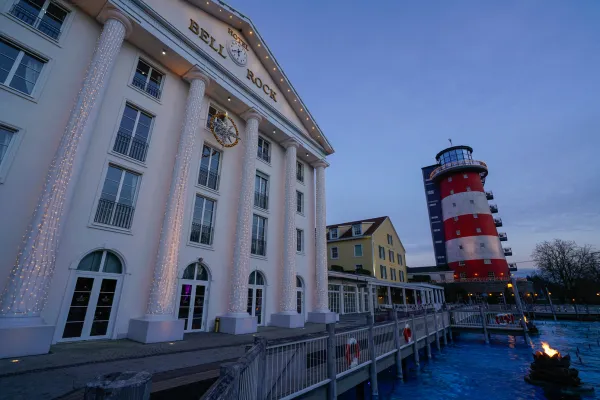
130,146
493,208
261,200
487,279
259,247
263,154
512,267
498,222
299,176
502,236
147,86
208,178
489,195
28,17
202,234
113,213
457,165
507,251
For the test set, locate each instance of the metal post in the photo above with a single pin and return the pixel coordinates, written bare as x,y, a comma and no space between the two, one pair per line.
331,361
427,336
551,304
371,304
437,332
262,367
446,329
373,366
520,308
576,311
415,340
484,324
399,372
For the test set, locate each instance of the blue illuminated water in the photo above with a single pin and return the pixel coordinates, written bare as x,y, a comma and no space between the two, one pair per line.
470,369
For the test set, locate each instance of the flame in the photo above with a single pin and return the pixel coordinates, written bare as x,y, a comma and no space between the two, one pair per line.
549,350
525,318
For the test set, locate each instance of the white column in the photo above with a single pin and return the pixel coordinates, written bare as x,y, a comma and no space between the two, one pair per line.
237,320
288,316
321,313
26,289
160,323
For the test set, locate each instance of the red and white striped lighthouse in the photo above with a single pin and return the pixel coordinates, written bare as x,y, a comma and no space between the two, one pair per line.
473,248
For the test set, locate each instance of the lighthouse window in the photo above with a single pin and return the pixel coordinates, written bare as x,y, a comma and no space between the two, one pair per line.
455,218
460,246
481,244
452,192
478,230
491,274
465,176
487,262
458,233
475,216
450,179
468,188
463,275
461,263
453,204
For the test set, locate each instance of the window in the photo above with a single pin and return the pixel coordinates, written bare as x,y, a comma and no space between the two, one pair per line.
468,188
391,254
148,79
390,240
465,176
449,179
19,69
401,276
261,191
461,263
399,259
358,250
299,171
334,253
133,134
358,266
430,192
6,137
438,241
202,222
208,175
478,230
356,230
481,244
212,111
436,230
264,150
44,15
472,201
381,252
434,217
299,240
463,275
487,261
452,192
453,204
457,233
259,236
299,202
491,274
475,216
455,219
460,246
119,193
333,233
442,278
392,274
383,271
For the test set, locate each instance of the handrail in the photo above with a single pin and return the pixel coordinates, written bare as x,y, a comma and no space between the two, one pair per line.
454,164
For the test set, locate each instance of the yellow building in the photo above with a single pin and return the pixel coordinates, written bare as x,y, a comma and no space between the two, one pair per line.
370,244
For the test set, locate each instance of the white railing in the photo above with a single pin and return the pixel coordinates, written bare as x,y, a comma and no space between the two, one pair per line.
455,164
493,319
384,338
352,350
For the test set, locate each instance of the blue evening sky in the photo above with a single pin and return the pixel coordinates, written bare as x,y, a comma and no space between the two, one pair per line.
390,81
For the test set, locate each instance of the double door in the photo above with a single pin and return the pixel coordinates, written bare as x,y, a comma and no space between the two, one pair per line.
255,302
192,299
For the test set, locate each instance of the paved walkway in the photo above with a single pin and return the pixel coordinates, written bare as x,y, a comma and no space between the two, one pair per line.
69,366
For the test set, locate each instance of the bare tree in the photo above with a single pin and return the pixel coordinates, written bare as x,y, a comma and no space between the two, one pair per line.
563,262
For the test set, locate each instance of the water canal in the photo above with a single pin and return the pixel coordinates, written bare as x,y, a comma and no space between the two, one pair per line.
470,369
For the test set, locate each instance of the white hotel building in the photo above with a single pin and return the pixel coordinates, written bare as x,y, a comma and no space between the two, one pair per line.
125,211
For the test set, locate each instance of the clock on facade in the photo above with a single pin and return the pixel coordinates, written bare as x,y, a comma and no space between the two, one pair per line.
224,130
237,52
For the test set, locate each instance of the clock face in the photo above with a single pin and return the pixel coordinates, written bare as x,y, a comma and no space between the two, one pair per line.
237,53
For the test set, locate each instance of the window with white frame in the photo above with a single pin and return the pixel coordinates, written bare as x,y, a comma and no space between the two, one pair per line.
401,276
299,202
390,240
148,79
264,149
458,233
333,233
6,137
468,188
399,258
208,175
358,250
299,240
259,235
391,254
481,244
478,230
19,69
383,271
491,274
46,16
202,222
461,263
261,191
358,266
117,200
134,133
357,230
463,275
334,253
212,111
487,261
381,252
299,171
475,216
393,274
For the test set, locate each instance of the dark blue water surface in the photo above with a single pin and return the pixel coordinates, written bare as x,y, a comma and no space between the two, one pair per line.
471,369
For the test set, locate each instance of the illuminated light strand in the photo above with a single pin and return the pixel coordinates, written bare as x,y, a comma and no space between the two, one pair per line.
288,295
321,247
26,289
238,297
162,293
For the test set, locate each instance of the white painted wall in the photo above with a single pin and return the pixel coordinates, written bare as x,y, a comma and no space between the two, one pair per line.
460,204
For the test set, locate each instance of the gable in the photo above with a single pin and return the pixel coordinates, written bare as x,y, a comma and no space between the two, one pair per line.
213,35
386,228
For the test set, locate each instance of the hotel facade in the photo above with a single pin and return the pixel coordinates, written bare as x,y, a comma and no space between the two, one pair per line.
157,170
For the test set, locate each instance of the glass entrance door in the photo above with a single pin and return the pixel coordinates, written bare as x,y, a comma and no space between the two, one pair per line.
191,306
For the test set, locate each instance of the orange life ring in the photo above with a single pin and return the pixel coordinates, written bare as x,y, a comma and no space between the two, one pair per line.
407,334
352,358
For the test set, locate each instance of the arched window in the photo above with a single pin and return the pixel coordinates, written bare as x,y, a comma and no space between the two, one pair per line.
298,282
101,261
195,271
256,278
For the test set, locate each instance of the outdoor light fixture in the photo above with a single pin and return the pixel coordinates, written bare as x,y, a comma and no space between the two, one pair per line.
274,131
228,98
164,52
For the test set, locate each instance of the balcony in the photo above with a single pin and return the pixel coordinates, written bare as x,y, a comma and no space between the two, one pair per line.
489,195
502,236
507,251
261,200
208,178
150,87
459,165
114,214
493,208
498,222
130,146
202,234
512,267
46,25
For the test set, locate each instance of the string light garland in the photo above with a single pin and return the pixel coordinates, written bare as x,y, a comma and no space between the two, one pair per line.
162,292
321,248
224,130
27,287
288,294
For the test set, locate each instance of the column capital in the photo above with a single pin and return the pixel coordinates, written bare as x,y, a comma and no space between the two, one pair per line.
196,73
252,113
290,143
112,12
320,163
